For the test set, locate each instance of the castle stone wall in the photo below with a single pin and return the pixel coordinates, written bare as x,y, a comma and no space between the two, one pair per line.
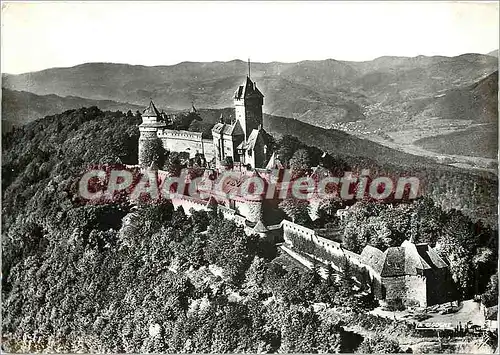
242,207
239,110
208,149
254,211
229,149
331,246
394,288
411,290
440,287
227,213
181,141
376,281
335,249
416,291
186,141
188,203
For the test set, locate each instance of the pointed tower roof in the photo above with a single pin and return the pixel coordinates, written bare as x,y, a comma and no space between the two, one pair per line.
151,110
247,90
212,202
373,257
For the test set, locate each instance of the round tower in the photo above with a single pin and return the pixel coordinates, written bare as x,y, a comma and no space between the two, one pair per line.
148,129
255,200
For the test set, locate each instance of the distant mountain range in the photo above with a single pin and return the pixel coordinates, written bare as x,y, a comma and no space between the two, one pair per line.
494,53
373,99
291,89
477,102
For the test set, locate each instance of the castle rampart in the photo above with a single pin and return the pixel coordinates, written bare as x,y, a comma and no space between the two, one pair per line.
186,141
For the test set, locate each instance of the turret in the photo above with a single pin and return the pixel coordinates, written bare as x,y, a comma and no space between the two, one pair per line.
151,122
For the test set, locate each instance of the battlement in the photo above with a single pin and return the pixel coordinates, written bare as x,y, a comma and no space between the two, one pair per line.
180,134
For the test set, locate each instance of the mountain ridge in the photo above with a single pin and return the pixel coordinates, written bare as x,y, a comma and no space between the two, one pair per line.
358,97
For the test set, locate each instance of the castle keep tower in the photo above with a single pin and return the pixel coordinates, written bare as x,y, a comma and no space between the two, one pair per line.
248,101
151,122
243,140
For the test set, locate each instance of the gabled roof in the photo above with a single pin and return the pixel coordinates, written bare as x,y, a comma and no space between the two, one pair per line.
233,129
410,259
413,260
151,111
212,201
492,313
320,172
219,127
274,163
394,264
430,256
251,141
248,89
252,138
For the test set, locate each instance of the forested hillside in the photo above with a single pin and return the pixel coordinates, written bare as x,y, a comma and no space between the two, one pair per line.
122,278
109,278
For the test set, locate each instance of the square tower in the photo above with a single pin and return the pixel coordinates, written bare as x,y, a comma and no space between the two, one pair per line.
248,102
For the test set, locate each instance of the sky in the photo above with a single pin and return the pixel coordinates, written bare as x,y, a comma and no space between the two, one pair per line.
39,35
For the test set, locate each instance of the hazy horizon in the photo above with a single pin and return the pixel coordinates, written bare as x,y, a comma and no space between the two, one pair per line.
236,59
44,35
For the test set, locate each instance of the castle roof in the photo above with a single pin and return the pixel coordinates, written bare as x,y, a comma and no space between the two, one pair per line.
430,256
260,227
227,129
247,90
251,141
274,162
320,172
151,111
407,259
492,313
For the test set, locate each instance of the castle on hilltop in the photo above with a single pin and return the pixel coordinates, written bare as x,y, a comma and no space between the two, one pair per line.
412,274
242,141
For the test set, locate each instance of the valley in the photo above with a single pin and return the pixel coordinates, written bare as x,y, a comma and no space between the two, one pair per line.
445,141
